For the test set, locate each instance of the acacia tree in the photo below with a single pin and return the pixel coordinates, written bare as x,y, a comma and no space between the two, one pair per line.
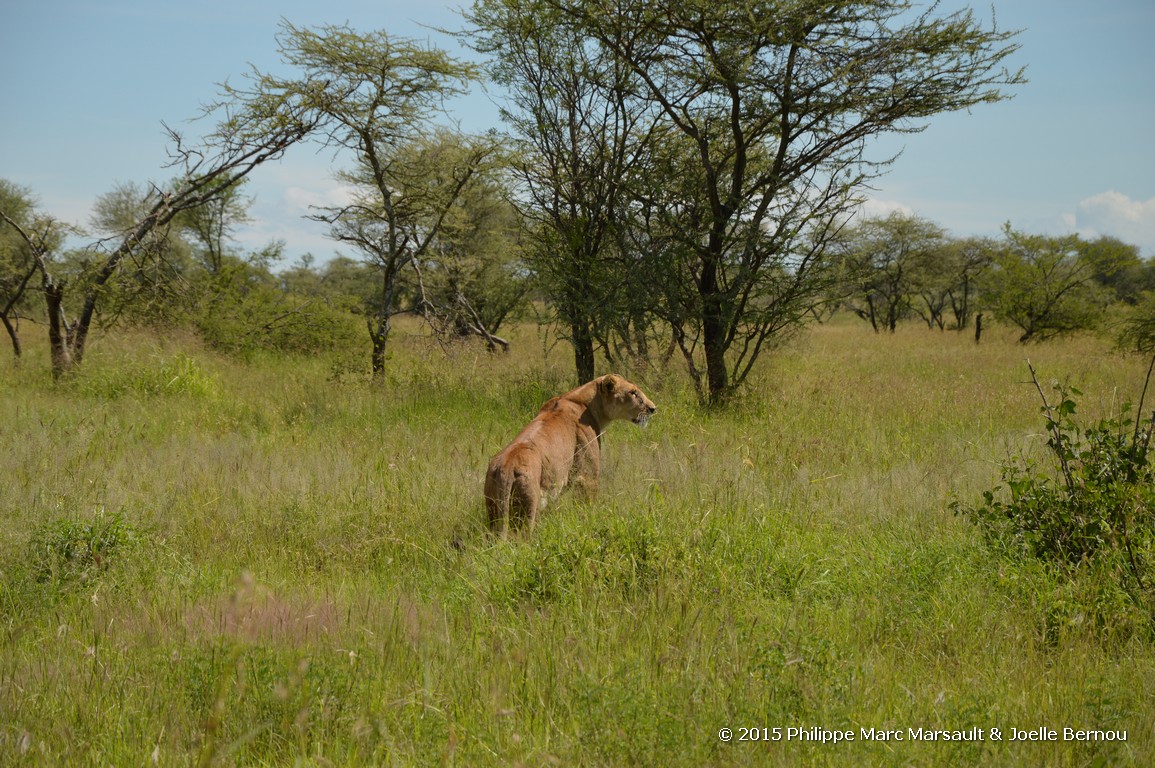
399,215
23,233
967,258
209,227
1137,332
474,275
377,96
153,285
250,132
892,262
579,132
932,288
772,102
1045,285
1119,267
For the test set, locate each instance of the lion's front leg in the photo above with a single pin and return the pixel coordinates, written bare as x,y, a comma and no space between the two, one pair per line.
587,466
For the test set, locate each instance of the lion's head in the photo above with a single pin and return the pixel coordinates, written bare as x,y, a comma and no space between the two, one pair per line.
623,400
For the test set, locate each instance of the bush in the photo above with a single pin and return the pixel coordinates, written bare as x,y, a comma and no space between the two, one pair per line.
242,310
176,375
66,550
1137,332
1096,511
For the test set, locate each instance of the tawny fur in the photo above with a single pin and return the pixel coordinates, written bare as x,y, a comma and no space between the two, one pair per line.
561,446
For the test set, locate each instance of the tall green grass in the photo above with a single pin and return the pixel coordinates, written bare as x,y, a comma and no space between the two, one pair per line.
212,562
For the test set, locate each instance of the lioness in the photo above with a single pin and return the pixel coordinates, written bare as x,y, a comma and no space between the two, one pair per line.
561,445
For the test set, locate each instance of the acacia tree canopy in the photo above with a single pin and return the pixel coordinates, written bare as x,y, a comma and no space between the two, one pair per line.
375,97
1045,285
767,108
890,262
579,134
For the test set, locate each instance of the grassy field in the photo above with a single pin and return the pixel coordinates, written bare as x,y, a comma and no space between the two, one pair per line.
274,562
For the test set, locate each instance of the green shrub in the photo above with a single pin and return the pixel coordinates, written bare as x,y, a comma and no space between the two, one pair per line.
242,310
176,375
1095,512
619,556
76,550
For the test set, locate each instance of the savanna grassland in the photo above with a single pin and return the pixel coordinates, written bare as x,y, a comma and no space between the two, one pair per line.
210,561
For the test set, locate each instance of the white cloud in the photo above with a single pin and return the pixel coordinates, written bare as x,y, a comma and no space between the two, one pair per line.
283,197
1113,213
299,238
304,199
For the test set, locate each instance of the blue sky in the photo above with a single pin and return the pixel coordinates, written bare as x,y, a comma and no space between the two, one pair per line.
87,84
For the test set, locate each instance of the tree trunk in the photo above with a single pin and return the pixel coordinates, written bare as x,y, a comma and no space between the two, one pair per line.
872,314
378,356
379,337
58,341
638,343
717,377
13,329
713,334
583,350
13,334
962,309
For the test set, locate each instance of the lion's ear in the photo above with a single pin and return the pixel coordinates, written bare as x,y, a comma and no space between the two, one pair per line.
607,384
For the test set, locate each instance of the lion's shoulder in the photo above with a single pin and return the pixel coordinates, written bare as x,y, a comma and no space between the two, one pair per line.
559,411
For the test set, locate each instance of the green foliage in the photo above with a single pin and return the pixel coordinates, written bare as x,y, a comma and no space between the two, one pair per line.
176,375
579,137
208,228
341,282
890,263
69,550
1119,268
1096,513
16,259
683,131
1045,285
1137,331
376,96
474,276
243,309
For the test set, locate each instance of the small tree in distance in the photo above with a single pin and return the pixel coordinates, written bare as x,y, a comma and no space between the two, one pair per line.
24,232
1045,285
376,97
474,276
892,262
967,259
250,132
